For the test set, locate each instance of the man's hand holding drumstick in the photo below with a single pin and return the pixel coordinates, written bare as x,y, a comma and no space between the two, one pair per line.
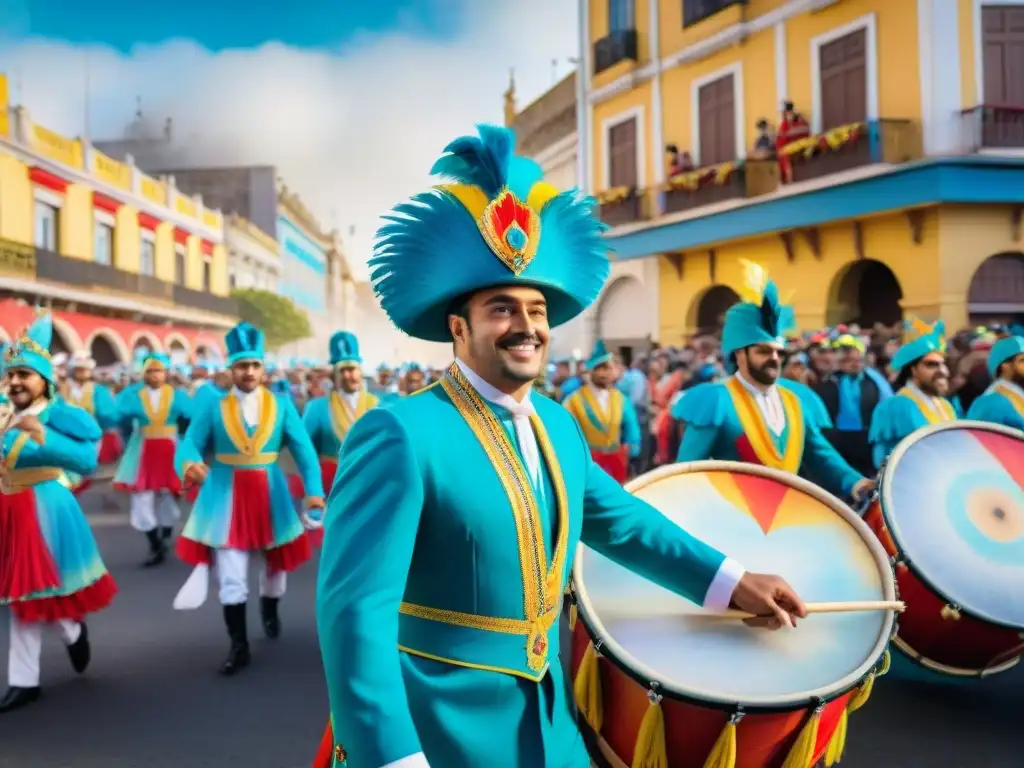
773,602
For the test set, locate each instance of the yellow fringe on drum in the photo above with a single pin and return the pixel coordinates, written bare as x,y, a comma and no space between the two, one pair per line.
860,698
837,744
573,615
587,688
723,754
802,753
650,751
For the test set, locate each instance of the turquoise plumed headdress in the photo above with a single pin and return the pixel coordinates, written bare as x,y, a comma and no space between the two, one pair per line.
495,223
31,349
919,339
345,350
598,356
1005,349
244,342
759,318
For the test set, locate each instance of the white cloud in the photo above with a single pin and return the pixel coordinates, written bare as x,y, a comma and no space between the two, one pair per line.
353,133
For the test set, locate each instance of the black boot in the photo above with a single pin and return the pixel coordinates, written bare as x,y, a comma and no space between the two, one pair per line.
271,621
16,698
238,656
167,532
157,549
80,652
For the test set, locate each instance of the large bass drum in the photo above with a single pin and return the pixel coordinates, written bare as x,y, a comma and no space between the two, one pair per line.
950,510
659,681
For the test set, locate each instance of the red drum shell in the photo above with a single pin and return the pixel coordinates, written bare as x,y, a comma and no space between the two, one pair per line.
964,646
762,740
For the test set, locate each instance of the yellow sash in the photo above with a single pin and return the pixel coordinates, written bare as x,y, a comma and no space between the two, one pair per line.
342,417
584,406
945,408
1014,396
757,432
87,400
158,417
234,424
542,585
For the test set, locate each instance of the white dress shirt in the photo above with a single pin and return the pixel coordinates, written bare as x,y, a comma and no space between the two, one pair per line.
351,399
719,593
250,403
75,390
769,402
154,394
603,396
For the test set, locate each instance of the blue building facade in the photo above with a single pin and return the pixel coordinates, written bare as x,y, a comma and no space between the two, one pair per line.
303,276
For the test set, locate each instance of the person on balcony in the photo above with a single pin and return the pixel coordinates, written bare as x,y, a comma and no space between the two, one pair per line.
792,127
152,414
51,572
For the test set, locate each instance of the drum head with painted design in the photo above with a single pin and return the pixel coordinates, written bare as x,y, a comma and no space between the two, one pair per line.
769,522
953,499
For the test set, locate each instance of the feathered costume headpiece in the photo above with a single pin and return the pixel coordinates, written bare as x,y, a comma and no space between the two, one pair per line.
759,318
495,223
919,339
31,350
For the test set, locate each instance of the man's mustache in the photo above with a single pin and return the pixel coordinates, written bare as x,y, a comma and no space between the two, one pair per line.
516,339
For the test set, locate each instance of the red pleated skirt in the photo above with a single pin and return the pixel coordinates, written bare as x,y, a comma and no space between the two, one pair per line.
328,469
252,527
615,464
111,447
27,567
156,468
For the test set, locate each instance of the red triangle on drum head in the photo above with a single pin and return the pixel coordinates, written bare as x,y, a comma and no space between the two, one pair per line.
763,496
1006,450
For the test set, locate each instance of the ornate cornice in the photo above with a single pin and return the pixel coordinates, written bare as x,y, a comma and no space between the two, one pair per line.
296,210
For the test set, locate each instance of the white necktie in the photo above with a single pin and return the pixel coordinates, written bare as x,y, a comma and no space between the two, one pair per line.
521,413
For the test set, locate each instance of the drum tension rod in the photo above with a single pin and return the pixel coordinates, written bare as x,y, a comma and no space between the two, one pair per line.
652,692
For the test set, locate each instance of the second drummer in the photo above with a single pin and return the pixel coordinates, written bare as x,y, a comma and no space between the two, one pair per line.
755,416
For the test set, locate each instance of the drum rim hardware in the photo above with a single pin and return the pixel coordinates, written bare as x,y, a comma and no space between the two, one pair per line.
885,503
642,675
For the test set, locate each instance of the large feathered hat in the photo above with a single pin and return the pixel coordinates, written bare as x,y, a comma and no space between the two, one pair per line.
759,318
345,350
919,339
494,223
31,350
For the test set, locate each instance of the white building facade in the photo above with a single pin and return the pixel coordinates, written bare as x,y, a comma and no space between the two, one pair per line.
254,256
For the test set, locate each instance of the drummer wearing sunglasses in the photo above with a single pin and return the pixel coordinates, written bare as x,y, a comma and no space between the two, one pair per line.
456,513
922,383
756,416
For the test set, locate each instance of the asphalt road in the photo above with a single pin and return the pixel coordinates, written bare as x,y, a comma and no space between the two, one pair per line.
152,698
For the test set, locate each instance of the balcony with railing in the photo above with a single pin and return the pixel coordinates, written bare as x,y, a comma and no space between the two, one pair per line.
622,205
614,47
209,302
849,147
993,127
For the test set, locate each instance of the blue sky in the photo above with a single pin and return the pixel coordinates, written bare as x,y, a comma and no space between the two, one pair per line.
226,24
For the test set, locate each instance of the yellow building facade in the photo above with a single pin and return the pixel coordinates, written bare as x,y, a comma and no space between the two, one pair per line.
899,191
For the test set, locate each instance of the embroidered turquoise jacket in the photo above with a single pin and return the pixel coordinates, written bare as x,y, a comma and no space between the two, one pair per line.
423,596
714,431
324,425
996,408
594,429
895,418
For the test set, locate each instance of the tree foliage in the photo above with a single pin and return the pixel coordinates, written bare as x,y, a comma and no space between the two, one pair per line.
277,316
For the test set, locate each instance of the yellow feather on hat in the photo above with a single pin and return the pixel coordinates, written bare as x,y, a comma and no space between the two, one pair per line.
755,280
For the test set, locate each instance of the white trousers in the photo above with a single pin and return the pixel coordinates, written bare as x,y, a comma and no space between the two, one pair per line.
232,566
27,645
152,509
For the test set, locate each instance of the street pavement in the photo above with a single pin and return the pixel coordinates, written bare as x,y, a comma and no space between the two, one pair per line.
152,698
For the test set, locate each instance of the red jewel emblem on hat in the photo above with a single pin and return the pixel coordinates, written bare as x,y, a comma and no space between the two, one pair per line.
512,230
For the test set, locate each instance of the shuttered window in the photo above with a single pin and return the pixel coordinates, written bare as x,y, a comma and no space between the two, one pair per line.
844,80
622,138
1002,29
716,104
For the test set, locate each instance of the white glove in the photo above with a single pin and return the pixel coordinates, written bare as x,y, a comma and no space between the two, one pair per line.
313,519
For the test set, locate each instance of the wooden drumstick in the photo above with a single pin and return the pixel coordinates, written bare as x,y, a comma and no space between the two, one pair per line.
848,607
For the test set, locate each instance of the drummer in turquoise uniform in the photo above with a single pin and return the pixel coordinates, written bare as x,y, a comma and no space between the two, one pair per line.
328,418
456,512
51,572
1003,402
755,415
921,388
244,506
152,413
606,417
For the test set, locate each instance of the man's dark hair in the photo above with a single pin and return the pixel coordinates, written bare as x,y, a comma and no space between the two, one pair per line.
460,308
903,377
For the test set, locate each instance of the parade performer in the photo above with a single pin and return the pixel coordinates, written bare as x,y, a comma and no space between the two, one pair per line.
755,415
153,413
329,418
243,505
51,572
456,511
1003,403
606,416
83,391
921,388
